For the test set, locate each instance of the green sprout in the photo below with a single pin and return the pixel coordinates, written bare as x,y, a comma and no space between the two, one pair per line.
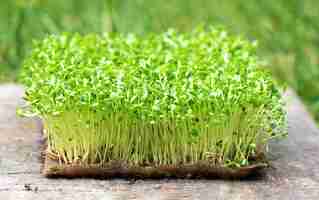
162,99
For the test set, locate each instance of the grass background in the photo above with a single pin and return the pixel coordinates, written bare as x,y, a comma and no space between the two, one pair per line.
287,30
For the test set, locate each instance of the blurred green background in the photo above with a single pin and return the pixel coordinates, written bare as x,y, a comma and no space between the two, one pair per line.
287,30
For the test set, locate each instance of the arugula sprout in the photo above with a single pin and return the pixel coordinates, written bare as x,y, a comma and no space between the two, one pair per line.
170,98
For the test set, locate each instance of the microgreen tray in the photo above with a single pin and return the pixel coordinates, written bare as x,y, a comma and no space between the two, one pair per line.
173,104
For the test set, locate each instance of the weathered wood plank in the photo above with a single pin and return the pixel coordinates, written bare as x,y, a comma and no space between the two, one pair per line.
295,160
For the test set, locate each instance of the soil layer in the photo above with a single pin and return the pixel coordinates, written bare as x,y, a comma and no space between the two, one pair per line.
55,169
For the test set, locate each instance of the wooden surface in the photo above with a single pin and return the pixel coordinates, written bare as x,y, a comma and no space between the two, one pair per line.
295,160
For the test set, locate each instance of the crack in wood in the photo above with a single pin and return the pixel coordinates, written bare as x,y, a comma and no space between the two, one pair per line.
19,173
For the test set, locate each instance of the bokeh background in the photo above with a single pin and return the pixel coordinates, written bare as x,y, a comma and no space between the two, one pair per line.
287,30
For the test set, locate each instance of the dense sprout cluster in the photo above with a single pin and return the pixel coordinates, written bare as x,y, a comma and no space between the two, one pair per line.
196,87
